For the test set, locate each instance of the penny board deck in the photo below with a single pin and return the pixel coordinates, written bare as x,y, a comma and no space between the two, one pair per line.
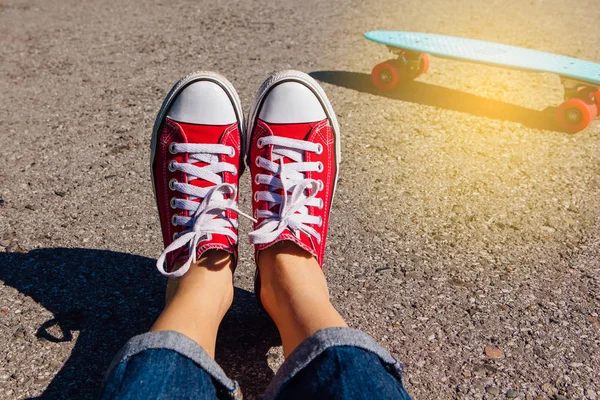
495,54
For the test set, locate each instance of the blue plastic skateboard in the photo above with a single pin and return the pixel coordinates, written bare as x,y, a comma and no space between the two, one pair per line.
580,78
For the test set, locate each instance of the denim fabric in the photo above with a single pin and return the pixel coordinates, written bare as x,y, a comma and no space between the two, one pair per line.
313,347
152,377
344,372
159,374
333,363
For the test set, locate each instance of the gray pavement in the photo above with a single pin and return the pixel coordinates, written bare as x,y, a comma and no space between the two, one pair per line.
465,231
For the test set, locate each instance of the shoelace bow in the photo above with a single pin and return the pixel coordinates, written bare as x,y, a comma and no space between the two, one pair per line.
293,211
208,216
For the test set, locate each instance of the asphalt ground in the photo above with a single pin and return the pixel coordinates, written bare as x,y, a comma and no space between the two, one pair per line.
464,219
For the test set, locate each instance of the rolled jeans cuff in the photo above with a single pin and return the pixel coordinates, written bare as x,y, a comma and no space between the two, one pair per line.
320,341
185,346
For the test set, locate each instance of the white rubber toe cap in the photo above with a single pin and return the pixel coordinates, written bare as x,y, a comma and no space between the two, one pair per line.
291,103
203,103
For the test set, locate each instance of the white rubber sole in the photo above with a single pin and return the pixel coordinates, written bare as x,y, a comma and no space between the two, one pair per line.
309,82
174,92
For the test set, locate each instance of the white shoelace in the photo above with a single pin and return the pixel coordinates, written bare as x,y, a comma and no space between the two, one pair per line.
293,208
208,216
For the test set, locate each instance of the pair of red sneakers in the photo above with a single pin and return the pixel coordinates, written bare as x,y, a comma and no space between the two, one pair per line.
199,142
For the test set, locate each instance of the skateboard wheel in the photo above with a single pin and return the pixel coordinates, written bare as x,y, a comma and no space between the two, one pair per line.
385,76
424,64
575,115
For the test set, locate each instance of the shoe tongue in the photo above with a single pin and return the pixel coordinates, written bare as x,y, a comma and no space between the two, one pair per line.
292,131
204,134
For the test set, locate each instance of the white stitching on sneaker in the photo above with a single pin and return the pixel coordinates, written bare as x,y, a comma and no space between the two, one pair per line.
293,208
208,216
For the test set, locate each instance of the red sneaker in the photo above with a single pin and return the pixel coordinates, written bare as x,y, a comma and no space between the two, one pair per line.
293,155
196,162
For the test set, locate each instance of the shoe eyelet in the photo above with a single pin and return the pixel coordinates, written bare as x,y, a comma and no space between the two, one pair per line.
175,235
259,143
172,202
256,162
173,220
255,196
320,224
321,185
231,152
320,207
172,166
172,184
320,167
172,148
256,180
234,173
319,149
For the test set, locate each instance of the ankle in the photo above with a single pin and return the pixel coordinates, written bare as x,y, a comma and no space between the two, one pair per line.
198,301
293,291
213,300
208,282
289,276
285,265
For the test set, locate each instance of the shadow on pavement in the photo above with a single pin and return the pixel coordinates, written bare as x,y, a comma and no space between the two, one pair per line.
109,297
449,99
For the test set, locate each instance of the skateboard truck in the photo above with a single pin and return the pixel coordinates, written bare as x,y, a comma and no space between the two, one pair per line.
575,88
410,59
407,66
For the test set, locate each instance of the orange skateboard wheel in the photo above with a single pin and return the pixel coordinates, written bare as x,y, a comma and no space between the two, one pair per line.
575,114
424,64
385,76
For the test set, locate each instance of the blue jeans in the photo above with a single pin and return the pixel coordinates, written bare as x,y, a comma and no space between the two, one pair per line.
334,363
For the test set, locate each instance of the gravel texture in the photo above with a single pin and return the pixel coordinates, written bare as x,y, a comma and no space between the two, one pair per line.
465,232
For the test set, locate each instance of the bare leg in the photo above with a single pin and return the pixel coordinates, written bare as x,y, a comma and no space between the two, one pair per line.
294,293
198,301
